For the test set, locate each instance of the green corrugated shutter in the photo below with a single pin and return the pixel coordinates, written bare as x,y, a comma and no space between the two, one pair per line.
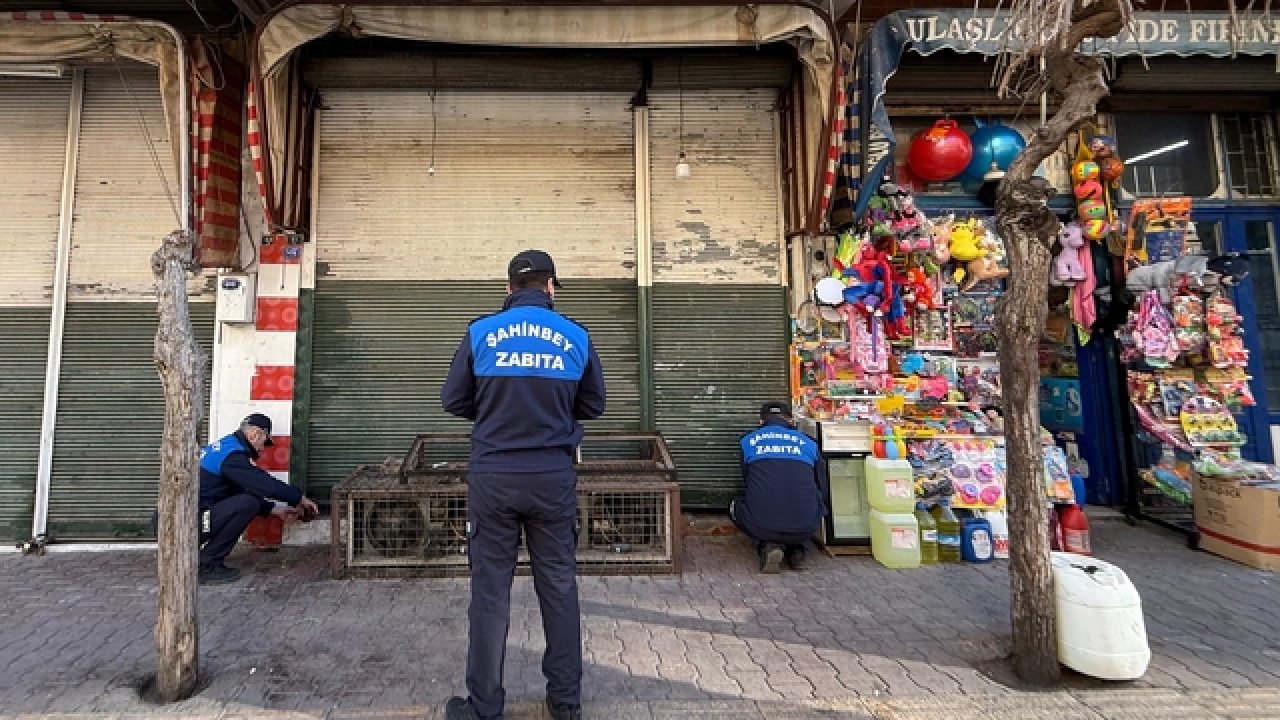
719,351
22,362
382,349
110,420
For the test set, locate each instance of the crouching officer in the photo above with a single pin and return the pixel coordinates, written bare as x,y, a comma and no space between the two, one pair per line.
526,376
233,491
786,484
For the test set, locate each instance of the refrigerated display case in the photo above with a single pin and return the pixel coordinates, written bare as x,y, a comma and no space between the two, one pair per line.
844,447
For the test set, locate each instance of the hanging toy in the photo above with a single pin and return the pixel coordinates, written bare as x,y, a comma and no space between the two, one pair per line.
940,152
1066,266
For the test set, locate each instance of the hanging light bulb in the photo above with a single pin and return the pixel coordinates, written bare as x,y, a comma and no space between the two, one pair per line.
682,167
682,163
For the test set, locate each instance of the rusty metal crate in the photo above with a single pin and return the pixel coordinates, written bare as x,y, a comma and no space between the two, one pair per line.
408,519
602,457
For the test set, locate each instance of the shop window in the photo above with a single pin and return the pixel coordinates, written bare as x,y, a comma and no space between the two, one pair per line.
1248,141
1260,243
1167,154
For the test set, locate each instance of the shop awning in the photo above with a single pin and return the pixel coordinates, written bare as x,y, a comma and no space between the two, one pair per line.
562,26
50,37
869,138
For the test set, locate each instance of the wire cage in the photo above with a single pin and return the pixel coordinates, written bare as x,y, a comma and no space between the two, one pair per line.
409,518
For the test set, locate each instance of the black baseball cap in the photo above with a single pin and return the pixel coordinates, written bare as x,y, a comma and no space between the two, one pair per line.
532,261
770,409
259,420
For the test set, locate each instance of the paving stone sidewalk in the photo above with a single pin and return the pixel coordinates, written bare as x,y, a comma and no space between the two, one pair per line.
847,638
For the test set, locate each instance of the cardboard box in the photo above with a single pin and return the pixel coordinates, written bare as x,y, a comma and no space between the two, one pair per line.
1240,522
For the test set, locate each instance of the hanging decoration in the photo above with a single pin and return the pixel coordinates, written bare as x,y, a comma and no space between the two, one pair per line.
940,152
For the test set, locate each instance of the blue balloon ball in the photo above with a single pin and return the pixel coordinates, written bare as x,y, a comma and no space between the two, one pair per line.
992,140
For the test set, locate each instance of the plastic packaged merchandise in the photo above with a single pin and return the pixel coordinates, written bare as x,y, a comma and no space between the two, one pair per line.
928,535
948,532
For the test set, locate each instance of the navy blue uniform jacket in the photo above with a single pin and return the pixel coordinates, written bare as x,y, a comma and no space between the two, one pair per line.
225,470
785,478
525,376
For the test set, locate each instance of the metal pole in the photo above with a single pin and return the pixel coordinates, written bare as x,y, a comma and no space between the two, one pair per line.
644,267
58,315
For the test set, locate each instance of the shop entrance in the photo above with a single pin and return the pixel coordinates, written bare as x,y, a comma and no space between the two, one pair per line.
1253,232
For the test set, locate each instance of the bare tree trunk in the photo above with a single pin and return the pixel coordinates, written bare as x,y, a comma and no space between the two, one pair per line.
1028,229
181,364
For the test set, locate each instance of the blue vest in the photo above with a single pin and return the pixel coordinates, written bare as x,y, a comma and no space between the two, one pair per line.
778,442
528,341
215,453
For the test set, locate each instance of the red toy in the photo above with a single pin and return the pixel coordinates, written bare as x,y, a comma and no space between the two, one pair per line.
940,152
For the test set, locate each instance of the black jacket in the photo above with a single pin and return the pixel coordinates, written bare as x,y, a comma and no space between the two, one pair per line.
226,470
785,477
526,376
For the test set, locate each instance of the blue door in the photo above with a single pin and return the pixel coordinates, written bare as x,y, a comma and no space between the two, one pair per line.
1254,232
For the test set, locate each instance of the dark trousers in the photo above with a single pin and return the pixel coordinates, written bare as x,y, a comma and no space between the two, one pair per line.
546,507
748,525
226,523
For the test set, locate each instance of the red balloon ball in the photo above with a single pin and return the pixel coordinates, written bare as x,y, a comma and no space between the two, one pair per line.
940,152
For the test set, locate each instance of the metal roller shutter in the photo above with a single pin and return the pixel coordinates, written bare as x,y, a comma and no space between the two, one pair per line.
718,353
406,259
110,401
106,460
720,327
33,139
382,350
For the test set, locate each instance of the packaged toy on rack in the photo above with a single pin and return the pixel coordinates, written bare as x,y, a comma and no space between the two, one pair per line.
1186,356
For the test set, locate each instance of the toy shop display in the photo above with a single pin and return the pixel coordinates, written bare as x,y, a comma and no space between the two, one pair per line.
1185,352
897,336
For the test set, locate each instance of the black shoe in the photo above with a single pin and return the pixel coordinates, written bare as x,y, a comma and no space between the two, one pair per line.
563,711
459,708
796,557
218,574
770,558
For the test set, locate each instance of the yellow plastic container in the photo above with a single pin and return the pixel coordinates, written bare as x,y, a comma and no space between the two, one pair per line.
890,486
895,539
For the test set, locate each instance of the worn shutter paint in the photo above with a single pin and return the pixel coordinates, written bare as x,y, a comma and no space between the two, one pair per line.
33,139
124,188
33,144
719,351
512,171
722,224
382,350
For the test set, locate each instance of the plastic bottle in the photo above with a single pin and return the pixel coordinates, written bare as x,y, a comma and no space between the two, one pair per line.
1055,529
895,539
890,485
975,544
928,535
1075,529
948,532
999,533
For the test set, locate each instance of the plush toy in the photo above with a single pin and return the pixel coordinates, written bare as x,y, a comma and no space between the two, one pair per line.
966,248
917,291
1066,267
983,268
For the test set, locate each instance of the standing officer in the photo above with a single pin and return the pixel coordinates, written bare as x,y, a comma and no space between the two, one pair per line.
525,376
233,491
786,484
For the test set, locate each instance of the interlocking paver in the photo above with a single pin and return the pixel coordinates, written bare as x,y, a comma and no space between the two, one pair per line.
847,638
